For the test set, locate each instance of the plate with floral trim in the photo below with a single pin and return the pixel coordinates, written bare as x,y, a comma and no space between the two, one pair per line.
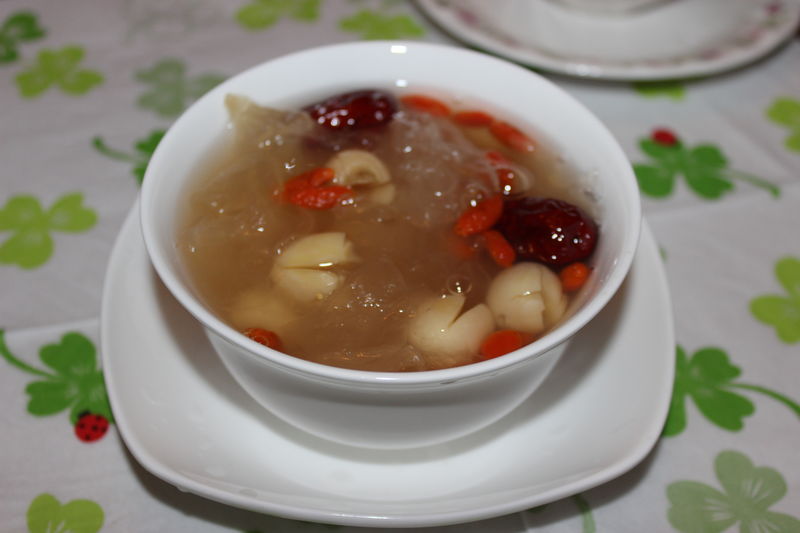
676,39
185,419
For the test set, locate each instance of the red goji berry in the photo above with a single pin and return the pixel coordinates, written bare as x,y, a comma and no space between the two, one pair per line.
496,158
499,248
320,198
503,342
473,119
480,217
512,137
263,336
506,178
574,276
320,176
420,102
308,190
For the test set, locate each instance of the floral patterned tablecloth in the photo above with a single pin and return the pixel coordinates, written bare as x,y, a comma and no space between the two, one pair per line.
87,89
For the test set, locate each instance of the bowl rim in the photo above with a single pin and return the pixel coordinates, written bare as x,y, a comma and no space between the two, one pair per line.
559,335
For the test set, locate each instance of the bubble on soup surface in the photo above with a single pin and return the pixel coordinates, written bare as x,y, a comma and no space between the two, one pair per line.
470,278
429,270
457,284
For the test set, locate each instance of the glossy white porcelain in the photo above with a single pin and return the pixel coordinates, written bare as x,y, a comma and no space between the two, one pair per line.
187,421
397,410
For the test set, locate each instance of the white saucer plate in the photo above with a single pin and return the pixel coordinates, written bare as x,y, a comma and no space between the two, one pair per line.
677,39
185,420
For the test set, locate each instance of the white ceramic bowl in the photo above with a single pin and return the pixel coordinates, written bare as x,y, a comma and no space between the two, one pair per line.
396,410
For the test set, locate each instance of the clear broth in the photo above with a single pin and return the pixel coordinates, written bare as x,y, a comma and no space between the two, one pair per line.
233,227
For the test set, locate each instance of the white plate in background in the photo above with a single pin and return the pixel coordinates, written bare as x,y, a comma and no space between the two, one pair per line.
677,39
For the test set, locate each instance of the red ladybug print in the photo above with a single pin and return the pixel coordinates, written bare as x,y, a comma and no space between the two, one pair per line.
664,137
91,427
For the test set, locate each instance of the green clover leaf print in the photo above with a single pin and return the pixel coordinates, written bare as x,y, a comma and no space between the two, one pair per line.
704,167
786,112
707,378
673,90
371,25
746,496
262,14
140,158
18,28
70,381
47,515
60,68
30,244
782,312
171,91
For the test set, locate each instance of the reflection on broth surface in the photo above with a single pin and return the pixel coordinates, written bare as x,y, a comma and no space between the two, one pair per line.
368,236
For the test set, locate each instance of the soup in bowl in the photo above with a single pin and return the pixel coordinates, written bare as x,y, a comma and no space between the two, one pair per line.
390,244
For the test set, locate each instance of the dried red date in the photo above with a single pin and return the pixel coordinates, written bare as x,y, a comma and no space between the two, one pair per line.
551,231
354,110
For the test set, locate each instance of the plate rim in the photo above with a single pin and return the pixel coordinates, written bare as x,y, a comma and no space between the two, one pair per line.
448,22
183,482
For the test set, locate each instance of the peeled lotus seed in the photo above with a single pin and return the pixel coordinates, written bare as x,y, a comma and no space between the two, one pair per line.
303,270
358,167
383,194
444,337
361,168
261,307
526,297
320,250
